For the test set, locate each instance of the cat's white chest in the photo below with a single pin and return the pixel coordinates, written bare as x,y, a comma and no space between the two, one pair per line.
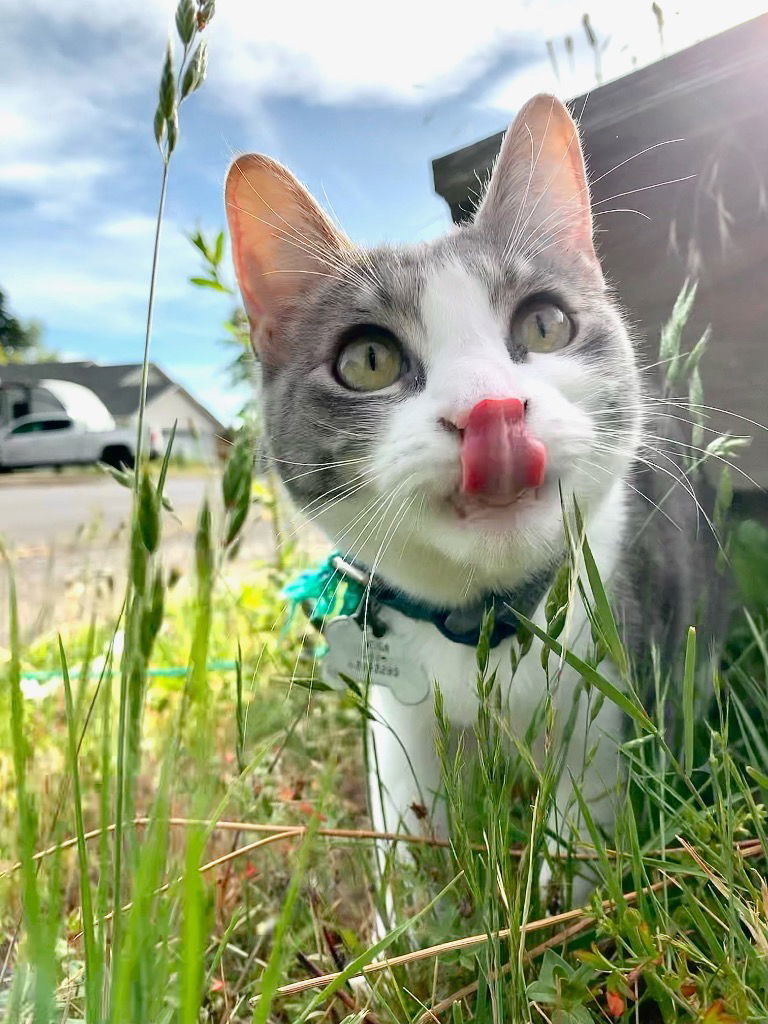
453,666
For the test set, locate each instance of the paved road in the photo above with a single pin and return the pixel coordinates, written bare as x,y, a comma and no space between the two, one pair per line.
68,541
40,513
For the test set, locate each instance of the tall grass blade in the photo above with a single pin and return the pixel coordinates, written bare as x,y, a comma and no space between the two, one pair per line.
602,608
689,694
93,958
272,976
39,951
354,967
591,675
166,461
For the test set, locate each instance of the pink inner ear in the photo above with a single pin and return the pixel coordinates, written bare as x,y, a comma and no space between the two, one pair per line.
539,184
279,237
247,270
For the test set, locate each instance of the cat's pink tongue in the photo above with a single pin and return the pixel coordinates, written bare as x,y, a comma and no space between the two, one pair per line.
499,458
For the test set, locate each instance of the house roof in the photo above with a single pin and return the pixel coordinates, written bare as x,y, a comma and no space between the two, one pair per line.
700,90
116,384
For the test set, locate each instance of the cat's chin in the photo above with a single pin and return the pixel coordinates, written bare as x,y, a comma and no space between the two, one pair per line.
489,512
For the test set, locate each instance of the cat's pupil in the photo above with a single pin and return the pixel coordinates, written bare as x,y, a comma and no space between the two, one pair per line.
371,357
541,325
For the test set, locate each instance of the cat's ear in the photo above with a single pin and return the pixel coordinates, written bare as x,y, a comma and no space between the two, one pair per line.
281,243
538,190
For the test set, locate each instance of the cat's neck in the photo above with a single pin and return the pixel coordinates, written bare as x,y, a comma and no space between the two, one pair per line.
423,573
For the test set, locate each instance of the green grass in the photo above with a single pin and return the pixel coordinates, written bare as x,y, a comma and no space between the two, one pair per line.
124,925
183,831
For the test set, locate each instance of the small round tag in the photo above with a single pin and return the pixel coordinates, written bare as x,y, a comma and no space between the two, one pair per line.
390,660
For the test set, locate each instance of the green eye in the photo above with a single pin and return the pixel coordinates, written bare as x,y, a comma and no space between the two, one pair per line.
371,362
543,328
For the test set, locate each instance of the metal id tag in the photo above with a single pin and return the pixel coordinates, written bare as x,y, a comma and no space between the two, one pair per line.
392,659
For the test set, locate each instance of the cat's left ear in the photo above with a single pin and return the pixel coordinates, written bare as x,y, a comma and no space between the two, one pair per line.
282,244
538,192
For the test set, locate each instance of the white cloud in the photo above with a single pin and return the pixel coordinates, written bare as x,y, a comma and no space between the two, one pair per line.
103,278
628,37
401,52
134,227
57,187
64,112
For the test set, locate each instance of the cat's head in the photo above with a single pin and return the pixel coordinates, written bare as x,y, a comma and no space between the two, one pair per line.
428,405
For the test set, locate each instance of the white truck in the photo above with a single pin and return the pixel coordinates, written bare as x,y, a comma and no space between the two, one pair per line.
82,433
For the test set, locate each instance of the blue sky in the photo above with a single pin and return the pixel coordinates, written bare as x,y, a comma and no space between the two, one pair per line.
356,99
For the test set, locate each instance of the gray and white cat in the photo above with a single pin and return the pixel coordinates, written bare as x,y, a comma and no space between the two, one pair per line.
428,406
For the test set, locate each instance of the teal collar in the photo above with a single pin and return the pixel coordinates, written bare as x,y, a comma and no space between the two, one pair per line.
361,594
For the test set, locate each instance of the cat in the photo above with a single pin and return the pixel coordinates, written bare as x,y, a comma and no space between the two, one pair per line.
434,407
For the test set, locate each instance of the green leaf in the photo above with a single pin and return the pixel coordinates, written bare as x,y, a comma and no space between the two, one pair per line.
122,476
689,679
194,76
610,877
557,600
604,619
149,514
152,617
219,249
236,521
693,358
208,282
273,972
672,332
186,21
541,992
138,558
483,648
203,547
167,96
172,127
593,959
591,675
198,240
164,468
159,125
696,401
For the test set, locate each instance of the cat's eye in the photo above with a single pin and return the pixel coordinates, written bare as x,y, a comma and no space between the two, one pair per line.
543,327
371,361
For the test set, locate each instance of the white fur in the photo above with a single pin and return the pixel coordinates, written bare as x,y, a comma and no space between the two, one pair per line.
407,531
404,524
405,768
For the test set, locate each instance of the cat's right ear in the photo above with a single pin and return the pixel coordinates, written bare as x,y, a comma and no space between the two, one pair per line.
538,192
281,242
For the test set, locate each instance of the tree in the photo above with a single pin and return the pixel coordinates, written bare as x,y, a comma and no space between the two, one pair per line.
19,342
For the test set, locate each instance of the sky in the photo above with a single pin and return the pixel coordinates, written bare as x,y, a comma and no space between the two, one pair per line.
355,98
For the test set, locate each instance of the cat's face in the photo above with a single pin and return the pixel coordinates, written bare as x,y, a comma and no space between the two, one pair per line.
430,405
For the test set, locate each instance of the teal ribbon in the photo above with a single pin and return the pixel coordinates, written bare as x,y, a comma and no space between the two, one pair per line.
163,672
331,592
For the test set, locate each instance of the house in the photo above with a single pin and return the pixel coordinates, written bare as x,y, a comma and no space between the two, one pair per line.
199,434
684,142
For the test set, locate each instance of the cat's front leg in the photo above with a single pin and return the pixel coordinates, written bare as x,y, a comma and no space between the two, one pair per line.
591,763
404,781
404,769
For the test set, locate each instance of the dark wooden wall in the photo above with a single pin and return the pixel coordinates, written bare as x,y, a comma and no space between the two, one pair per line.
714,98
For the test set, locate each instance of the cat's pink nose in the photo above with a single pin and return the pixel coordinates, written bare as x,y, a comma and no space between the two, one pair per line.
499,456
